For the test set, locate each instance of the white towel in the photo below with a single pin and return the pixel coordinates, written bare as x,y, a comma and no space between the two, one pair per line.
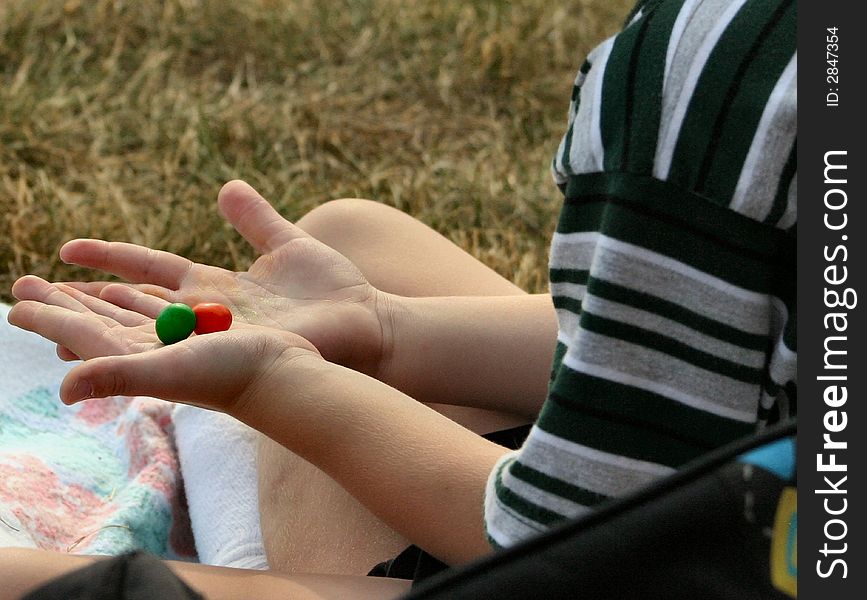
218,463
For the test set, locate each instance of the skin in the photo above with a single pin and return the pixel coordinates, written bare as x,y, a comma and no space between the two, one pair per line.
25,569
319,527
437,309
279,384
398,331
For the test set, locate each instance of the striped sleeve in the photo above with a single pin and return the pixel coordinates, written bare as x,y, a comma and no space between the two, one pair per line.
672,269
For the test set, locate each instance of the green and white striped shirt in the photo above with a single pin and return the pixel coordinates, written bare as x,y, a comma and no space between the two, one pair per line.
673,265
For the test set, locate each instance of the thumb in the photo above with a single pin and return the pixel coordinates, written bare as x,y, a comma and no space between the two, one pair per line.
212,373
255,218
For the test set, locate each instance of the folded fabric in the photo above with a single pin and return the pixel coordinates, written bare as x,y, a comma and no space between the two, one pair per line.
218,462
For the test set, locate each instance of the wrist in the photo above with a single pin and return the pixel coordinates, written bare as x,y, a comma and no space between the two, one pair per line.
285,371
390,309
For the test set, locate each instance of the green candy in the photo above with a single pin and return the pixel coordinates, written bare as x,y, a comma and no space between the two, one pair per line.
175,323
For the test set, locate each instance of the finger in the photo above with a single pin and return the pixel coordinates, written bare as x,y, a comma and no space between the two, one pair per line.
134,263
177,372
65,354
95,288
255,218
88,287
130,298
81,333
35,288
106,309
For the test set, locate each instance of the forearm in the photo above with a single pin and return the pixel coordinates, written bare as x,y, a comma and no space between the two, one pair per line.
487,352
419,472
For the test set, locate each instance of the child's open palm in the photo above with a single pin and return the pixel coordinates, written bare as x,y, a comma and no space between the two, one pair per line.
124,357
297,284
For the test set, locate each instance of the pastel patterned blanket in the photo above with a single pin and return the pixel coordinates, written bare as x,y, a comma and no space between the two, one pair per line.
101,477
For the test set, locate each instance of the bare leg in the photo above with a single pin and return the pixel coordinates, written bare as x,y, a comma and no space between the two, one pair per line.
399,254
309,523
24,570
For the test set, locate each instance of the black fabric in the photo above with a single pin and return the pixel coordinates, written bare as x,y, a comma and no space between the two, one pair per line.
414,563
135,576
700,534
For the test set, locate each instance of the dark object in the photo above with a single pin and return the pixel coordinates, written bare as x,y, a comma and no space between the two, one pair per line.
700,534
135,576
712,531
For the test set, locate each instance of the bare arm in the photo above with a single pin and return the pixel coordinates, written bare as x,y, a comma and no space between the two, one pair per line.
487,352
419,472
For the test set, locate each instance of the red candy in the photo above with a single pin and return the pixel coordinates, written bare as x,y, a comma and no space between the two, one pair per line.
211,317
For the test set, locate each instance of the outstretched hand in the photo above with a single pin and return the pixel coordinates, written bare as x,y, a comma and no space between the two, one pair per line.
298,284
124,357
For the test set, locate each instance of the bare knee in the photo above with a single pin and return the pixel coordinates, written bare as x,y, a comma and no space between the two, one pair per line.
398,253
346,222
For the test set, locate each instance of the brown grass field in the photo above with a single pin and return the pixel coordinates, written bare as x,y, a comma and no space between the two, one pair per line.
121,119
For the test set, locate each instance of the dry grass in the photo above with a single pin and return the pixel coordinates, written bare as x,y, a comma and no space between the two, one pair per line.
121,119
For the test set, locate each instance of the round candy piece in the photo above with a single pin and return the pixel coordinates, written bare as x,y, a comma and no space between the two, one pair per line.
212,317
175,323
